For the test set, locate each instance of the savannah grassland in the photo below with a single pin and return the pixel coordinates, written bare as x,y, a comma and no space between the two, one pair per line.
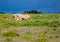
39,28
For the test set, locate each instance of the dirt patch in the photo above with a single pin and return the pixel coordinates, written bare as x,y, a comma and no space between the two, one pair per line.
33,33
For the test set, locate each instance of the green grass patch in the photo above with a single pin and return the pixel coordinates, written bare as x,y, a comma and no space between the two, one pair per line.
52,20
9,35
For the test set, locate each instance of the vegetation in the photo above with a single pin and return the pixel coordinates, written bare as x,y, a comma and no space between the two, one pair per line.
39,28
2,12
52,20
9,35
30,34
33,11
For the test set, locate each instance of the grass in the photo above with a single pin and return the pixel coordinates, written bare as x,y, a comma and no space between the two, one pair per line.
29,36
26,36
53,20
30,33
9,35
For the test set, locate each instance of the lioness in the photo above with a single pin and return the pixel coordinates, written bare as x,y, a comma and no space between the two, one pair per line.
21,16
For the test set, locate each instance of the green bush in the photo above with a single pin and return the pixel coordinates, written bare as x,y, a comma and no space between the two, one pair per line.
10,34
26,36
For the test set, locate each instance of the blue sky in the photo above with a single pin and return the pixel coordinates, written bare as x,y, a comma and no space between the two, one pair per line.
21,5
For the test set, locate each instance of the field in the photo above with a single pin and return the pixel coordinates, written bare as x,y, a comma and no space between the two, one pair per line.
39,28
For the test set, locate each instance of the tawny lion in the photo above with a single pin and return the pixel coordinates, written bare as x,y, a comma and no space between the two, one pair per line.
21,16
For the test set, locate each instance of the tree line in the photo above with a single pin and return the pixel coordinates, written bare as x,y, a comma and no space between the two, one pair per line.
33,11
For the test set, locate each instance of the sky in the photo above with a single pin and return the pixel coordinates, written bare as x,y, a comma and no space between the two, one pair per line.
24,5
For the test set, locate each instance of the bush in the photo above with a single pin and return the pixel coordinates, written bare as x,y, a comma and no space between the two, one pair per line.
2,12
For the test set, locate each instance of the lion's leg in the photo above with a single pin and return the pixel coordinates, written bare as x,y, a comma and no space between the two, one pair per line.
17,19
20,18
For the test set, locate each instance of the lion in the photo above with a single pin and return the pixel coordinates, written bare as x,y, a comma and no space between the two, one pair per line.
23,16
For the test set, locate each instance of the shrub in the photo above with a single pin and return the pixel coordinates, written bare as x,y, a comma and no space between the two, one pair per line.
26,36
